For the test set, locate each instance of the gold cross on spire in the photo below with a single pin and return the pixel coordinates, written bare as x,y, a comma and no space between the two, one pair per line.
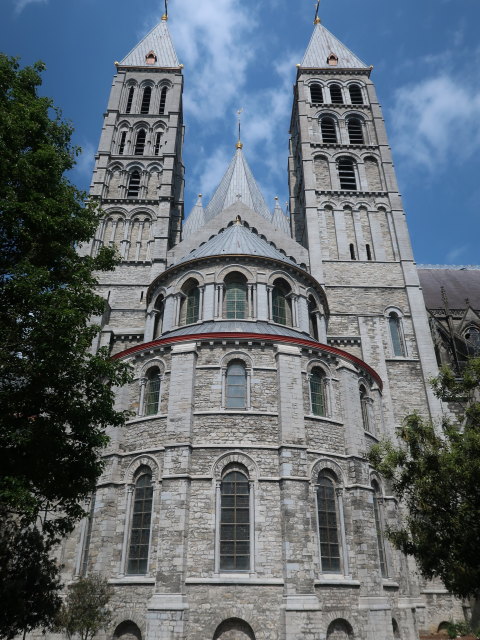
239,116
317,6
165,15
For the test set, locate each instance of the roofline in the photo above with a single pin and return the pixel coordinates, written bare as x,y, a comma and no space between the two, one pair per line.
335,70
259,337
121,66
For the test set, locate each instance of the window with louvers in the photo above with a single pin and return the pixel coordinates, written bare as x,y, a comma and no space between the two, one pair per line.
147,95
163,101
346,174
134,185
140,142
355,131
316,93
355,94
329,132
131,93
336,94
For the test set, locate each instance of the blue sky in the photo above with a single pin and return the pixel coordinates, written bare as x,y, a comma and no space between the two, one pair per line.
242,53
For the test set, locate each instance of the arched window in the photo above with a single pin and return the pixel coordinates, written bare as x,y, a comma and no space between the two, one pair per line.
236,386
123,140
152,392
355,131
339,630
131,93
235,296
364,402
336,94
140,527
234,628
379,528
352,252
396,630
127,630
190,309
147,95
355,94
134,184
281,303
159,309
328,524
396,334
346,174
329,132
163,101
235,522
313,317
472,337
140,142
316,93
318,392
158,140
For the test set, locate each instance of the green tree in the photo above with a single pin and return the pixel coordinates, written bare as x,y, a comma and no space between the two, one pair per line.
435,472
86,611
56,397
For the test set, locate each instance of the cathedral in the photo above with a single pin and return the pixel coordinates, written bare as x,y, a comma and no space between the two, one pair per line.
270,350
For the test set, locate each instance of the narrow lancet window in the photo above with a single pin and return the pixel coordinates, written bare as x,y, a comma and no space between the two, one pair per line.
328,525
147,95
131,93
158,140
152,392
281,303
138,549
163,101
396,334
140,142
134,185
121,146
318,392
379,529
236,386
235,522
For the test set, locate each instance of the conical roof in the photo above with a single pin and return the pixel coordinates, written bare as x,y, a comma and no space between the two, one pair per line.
195,220
322,44
280,220
160,43
238,184
237,240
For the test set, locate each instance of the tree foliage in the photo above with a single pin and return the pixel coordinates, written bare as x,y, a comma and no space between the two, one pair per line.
86,611
56,397
435,472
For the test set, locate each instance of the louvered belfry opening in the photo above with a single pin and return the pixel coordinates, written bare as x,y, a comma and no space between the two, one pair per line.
355,94
336,94
147,95
329,132
316,93
355,131
140,142
346,174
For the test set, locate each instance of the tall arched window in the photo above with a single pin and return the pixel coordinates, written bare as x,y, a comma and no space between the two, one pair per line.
163,101
328,524
152,392
131,93
346,174
318,389
355,94
336,94
190,309
472,337
123,140
147,95
281,303
140,142
364,402
159,309
396,334
355,131
313,317
158,140
134,184
141,522
235,522
329,132
316,93
379,528
236,386
235,296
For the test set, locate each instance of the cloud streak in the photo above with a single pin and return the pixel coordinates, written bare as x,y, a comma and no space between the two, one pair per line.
21,4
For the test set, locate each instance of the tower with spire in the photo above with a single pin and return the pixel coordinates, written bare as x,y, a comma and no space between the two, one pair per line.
269,352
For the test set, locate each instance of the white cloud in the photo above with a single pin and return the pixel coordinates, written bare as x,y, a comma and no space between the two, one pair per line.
454,254
86,160
212,171
21,4
435,122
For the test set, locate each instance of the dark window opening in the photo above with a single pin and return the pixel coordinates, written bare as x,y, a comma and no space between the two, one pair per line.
316,93
140,142
123,139
352,252
327,525
329,132
336,94
318,392
355,131
396,334
379,530
134,185
159,311
235,522
140,529
163,100
152,391
365,411
369,251
313,317
88,537
346,174
147,95
130,100
158,139
236,386
355,94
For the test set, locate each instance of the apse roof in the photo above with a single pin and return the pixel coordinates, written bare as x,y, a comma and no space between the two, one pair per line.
195,220
322,44
157,40
234,240
238,184
236,326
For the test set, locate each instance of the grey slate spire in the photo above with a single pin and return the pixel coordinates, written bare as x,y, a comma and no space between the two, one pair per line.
238,184
280,220
322,44
195,220
159,42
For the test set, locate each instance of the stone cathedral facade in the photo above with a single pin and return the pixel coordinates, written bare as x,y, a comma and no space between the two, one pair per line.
269,352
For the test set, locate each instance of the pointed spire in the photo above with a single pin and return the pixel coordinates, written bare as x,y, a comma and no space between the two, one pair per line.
238,185
280,220
195,220
321,47
157,42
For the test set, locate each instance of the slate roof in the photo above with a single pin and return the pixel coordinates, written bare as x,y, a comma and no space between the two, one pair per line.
195,220
280,220
237,326
460,283
237,181
322,44
237,240
158,41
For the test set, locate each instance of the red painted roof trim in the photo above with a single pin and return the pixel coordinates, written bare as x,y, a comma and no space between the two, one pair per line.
263,337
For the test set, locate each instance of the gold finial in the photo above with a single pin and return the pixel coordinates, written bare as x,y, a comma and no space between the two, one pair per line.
164,17
239,144
317,19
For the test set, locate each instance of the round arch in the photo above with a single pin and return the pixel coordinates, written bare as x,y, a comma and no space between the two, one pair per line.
234,629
